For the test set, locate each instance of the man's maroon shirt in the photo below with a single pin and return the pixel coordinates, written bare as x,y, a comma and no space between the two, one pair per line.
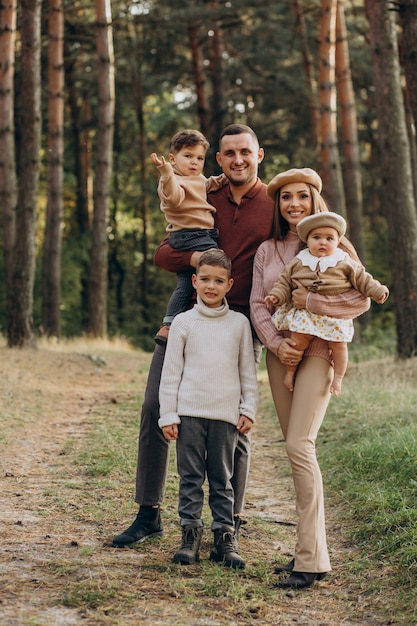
242,227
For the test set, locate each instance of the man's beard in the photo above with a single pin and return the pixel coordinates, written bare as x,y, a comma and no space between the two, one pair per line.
239,182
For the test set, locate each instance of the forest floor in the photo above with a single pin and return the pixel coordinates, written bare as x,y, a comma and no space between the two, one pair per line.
53,543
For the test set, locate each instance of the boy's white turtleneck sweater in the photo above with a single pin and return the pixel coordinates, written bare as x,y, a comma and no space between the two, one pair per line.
209,368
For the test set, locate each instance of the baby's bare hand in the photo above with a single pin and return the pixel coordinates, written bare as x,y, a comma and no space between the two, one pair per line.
270,301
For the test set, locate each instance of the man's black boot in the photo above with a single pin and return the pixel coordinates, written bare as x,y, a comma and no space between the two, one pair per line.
146,525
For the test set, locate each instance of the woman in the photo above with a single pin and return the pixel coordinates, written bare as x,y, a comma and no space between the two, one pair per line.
296,193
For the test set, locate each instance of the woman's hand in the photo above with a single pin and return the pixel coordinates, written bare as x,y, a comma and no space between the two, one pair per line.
287,354
299,296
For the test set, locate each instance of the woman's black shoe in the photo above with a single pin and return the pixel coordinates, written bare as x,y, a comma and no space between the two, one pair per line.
300,580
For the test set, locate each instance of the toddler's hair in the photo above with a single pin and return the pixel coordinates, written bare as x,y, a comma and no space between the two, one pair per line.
213,257
187,137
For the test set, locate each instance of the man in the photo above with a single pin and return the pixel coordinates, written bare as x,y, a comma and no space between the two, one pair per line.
244,218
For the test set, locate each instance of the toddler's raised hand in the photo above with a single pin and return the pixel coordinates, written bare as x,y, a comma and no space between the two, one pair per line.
158,161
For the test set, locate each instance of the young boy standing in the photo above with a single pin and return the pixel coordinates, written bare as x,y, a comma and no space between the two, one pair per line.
183,190
208,394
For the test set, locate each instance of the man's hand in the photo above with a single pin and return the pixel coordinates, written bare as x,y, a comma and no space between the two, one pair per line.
195,257
299,296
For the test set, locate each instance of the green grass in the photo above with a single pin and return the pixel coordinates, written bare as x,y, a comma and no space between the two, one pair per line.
369,458
373,343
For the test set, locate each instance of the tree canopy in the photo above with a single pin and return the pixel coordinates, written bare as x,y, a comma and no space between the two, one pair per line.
201,64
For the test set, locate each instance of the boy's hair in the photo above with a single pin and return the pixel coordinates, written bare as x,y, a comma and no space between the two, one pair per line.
212,257
238,129
187,137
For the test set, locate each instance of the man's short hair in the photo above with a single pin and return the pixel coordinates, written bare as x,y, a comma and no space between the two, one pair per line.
238,129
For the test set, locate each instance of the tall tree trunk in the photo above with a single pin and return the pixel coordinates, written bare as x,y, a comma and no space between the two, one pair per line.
408,17
350,146
143,213
97,322
200,78
20,332
8,188
411,131
117,273
309,72
216,76
82,149
397,193
80,128
51,274
331,171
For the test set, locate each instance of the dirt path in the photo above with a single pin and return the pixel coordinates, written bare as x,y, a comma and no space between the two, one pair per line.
48,398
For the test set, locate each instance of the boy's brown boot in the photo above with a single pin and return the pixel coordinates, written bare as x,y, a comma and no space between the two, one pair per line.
189,551
225,549
239,522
